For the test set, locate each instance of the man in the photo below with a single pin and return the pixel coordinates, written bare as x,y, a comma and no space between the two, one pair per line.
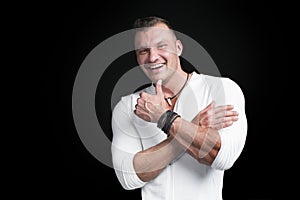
173,139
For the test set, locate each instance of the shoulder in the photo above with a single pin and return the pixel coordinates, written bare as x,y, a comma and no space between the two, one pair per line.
222,82
224,90
125,102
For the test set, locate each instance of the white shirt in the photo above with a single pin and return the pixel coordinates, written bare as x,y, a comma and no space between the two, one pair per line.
184,178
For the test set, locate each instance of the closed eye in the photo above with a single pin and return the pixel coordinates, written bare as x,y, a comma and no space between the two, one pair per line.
162,46
143,51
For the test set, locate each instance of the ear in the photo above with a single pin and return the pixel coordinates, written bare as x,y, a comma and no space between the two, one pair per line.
179,47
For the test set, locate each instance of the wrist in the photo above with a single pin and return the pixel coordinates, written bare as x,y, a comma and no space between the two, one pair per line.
166,120
175,127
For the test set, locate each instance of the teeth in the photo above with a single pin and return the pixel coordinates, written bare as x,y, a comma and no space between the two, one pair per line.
155,66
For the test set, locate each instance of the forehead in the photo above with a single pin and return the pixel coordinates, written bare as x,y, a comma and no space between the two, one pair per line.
150,36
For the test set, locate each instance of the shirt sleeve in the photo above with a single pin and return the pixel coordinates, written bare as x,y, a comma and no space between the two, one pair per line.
233,138
125,144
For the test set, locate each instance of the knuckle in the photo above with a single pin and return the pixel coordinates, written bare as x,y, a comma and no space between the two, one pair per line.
228,123
139,101
143,95
225,119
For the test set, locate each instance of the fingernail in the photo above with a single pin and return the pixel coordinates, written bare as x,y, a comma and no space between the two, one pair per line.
159,82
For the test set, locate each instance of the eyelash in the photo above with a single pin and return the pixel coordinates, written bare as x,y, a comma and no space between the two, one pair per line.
161,46
144,51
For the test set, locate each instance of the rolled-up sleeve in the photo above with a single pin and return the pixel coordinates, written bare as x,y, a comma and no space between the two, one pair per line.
125,144
233,138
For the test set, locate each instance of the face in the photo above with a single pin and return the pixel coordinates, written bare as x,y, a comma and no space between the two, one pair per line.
157,52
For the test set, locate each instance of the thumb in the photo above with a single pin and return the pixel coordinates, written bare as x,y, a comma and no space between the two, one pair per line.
210,106
158,88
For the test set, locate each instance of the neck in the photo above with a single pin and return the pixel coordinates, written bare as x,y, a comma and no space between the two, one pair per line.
174,84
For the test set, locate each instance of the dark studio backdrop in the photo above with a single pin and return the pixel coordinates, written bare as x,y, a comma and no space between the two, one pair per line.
243,40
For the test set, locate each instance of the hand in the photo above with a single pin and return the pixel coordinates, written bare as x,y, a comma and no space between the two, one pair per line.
151,107
216,117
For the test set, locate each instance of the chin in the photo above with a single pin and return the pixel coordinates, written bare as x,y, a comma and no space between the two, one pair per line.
156,78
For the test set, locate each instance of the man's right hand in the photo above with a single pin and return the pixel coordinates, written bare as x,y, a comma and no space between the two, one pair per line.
150,107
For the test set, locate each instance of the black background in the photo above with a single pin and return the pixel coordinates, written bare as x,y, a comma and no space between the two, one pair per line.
247,41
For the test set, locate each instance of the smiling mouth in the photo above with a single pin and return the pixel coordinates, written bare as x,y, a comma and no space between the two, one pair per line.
157,66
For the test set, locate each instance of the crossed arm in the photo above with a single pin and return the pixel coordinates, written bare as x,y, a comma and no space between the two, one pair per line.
199,138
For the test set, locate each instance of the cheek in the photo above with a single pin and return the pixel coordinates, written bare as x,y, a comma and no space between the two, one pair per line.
170,58
169,55
141,60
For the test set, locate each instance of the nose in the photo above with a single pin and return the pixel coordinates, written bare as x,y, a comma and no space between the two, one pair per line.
153,55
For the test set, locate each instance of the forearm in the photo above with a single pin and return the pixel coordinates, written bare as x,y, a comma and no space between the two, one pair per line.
203,144
149,163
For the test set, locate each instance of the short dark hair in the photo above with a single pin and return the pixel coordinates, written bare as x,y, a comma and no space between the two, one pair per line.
150,21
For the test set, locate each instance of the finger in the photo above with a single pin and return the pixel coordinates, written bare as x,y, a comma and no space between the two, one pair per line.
210,106
226,114
141,105
141,108
223,108
158,88
225,123
224,120
141,114
141,101
147,107
222,125
203,114
145,96
150,107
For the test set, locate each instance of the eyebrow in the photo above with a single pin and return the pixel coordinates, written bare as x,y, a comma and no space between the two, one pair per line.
147,47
